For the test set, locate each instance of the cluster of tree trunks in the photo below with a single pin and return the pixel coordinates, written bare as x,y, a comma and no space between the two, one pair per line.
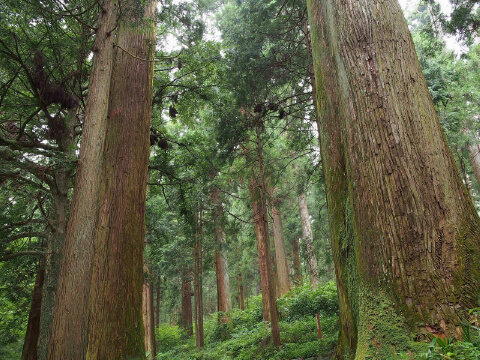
405,235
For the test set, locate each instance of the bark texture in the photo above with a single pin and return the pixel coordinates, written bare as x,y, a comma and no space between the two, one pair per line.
68,336
405,235
308,240
283,282
115,327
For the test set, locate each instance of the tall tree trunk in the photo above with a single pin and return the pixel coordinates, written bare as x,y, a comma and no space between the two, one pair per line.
56,235
68,338
148,321
224,303
148,307
115,328
283,283
33,326
260,219
157,302
308,240
197,280
297,265
405,235
187,313
241,292
474,151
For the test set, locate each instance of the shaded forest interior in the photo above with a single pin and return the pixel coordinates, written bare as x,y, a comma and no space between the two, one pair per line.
225,179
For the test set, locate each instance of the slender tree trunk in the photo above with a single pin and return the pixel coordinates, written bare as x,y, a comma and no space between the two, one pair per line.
241,292
115,328
148,314
33,326
405,235
187,313
297,265
260,218
56,228
157,303
197,273
283,283
308,240
224,303
474,151
68,339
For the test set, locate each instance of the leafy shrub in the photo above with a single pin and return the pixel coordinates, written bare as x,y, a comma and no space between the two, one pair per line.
169,336
305,301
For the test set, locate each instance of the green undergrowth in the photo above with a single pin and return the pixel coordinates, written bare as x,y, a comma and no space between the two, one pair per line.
246,336
450,349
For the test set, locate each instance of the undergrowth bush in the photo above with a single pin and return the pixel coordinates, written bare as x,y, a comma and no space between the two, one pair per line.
245,336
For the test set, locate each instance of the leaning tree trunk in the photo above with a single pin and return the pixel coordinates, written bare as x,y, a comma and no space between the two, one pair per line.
115,326
283,283
405,235
308,240
68,338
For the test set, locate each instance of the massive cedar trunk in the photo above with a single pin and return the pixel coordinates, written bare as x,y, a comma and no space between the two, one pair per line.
197,280
405,235
187,313
224,303
297,265
308,240
67,339
115,328
260,219
283,283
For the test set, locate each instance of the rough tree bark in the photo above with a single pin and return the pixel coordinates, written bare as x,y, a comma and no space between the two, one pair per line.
308,240
405,235
115,327
68,339
283,283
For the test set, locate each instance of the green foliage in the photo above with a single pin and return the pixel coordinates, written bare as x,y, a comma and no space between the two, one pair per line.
247,337
304,301
169,336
